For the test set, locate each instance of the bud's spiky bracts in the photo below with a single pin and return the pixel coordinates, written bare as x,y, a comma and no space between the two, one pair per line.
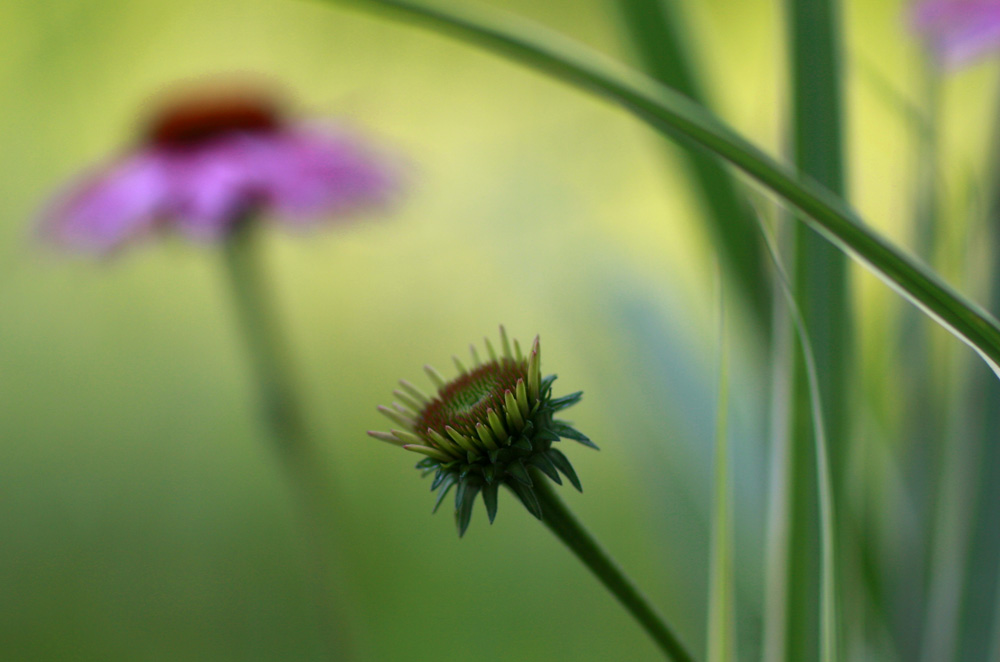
486,428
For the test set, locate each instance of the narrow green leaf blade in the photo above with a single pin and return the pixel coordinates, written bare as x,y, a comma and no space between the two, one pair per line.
672,113
823,300
721,600
828,597
657,34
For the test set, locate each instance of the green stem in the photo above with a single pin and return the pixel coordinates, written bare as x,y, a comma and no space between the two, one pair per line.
821,292
787,500
286,423
721,581
558,518
980,635
924,384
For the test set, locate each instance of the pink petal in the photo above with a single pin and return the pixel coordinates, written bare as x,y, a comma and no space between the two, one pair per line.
310,173
108,209
959,30
209,188
203,189
962,43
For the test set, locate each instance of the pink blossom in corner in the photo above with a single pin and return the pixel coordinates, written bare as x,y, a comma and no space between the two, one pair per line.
208,162
959,30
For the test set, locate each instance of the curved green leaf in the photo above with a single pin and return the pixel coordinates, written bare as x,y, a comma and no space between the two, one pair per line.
657,33
672,114
829,626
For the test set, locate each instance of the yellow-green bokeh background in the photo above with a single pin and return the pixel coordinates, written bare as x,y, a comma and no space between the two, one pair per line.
142,514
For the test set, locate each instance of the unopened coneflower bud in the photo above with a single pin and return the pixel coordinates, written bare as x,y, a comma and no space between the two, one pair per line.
486,428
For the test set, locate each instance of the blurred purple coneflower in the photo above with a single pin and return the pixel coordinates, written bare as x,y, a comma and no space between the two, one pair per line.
959,30
206,161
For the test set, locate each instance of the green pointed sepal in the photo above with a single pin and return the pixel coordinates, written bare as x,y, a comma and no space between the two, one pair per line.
563,465
527,496
490,491
465,499
567,431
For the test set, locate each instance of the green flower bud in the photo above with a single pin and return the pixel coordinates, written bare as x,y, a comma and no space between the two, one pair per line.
486,428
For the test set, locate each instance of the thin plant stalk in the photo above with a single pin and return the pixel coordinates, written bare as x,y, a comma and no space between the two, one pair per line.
994,641
672,114
924,424
721,601
980,634
947,470
775,602
829,635
822,296
560,521
285,422
949,543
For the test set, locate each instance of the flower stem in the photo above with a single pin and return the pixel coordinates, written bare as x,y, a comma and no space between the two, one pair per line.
284,418
558,518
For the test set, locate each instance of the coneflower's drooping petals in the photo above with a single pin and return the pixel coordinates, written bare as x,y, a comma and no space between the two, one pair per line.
210,188
959,30
108,209
314,171
207,182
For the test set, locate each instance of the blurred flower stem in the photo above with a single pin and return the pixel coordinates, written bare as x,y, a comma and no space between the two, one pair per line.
560,521
286,423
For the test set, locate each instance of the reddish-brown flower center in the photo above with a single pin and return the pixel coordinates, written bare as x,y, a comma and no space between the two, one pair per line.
195,121
465,401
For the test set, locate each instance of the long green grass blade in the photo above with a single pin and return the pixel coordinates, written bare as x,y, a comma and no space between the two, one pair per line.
829,626
954,505
821,270
656,33
672,113
980,634
721,599
822,296
994,648
924,427
775,600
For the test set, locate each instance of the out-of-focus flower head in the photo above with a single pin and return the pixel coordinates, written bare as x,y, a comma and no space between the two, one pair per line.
487,427
208,159
959,30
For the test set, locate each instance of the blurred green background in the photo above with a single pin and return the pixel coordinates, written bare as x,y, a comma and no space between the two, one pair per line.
142,513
